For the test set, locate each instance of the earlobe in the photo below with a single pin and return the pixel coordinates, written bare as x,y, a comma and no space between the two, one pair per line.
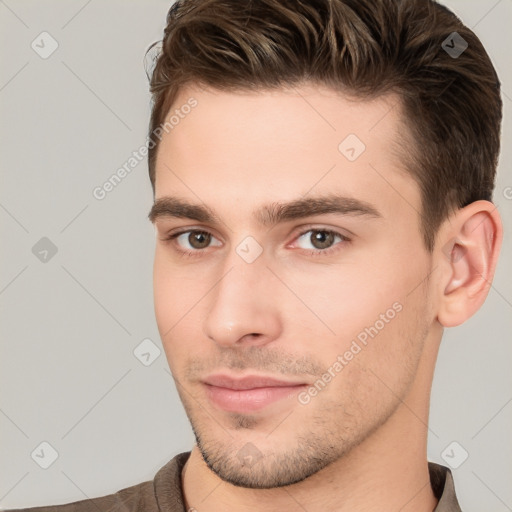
470,257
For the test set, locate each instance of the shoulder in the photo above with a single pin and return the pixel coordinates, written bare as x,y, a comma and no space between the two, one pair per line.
143,497
134,498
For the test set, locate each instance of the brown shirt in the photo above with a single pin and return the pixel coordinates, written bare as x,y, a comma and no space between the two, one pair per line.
164,494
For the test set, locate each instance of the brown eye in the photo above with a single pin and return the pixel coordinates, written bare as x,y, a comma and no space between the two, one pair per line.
322,239
193,240
199,239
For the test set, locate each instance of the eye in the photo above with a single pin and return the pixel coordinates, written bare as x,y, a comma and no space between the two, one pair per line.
193,242
320,240
194,238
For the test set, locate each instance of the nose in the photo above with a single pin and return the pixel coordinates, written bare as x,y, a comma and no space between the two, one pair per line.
244,305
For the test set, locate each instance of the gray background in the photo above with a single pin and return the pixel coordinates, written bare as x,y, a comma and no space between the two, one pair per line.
69,324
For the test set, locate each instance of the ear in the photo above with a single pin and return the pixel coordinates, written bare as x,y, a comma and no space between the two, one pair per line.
468,250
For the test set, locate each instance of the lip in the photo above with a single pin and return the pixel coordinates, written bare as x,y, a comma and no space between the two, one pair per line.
250,393
248,382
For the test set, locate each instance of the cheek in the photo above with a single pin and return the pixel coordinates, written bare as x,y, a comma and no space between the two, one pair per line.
169,304
377,373
174,291
367,316
177,294
393,347
345,299
163,294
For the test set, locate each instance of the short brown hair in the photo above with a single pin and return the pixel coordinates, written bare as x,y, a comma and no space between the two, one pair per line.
365,48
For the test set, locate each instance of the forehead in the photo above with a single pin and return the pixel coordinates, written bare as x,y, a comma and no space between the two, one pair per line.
281,144
287,115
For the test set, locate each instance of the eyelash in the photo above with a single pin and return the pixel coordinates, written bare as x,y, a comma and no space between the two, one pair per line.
310,252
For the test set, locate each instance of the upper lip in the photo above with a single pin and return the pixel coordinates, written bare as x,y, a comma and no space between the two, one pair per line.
248,382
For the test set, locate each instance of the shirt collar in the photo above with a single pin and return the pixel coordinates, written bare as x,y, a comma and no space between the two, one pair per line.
441,480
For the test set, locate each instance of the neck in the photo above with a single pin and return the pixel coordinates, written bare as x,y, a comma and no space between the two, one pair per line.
376,476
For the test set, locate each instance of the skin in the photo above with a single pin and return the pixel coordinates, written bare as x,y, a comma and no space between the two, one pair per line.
360,443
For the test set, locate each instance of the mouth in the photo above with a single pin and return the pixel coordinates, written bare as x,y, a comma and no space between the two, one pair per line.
250,393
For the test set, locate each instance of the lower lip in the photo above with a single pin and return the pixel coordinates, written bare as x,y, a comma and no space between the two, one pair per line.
249,400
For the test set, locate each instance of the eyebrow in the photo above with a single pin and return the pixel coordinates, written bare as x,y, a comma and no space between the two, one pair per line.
269,214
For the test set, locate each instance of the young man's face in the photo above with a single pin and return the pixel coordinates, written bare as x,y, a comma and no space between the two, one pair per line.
337,305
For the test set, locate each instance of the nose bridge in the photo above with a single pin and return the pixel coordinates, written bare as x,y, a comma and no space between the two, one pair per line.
242,306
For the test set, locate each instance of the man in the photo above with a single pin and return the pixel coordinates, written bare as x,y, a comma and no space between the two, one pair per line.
322,174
